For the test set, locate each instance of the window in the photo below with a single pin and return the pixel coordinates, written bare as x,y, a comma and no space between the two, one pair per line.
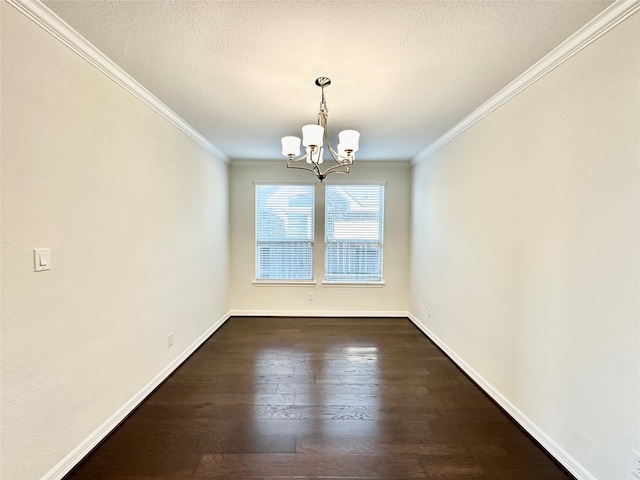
353,233
284,232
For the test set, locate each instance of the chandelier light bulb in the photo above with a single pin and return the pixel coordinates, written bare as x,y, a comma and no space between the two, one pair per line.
290,146
312,135
349,139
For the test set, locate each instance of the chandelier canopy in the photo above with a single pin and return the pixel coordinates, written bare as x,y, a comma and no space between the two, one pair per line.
313,138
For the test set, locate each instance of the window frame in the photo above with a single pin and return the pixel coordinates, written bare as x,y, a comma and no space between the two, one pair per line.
289,282
354,283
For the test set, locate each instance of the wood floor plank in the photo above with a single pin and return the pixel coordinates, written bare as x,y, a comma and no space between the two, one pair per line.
318,399
185,442
401,445
318,390
453,466
403,378
224,399
213,377
185,388
130,462
244,466
338,412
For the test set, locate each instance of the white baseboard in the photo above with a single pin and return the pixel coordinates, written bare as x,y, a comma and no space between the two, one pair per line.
566,460
77,454
318,313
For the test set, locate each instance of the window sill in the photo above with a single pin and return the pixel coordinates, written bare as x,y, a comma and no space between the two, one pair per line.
353,284
283,283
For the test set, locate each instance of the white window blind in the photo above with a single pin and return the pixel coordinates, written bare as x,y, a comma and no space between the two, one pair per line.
354,225
284,232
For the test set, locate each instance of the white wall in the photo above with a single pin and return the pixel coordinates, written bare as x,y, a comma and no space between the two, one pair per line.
392,298
136,216
525,247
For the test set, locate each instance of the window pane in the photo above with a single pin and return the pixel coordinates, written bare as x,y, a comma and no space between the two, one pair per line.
284,232
354,233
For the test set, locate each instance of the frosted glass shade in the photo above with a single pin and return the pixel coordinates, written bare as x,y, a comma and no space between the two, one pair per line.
312,135
349,139
290,146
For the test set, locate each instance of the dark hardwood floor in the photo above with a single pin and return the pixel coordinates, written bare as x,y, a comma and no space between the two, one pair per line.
318,398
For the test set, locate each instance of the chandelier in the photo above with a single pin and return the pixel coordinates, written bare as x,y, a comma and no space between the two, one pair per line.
313,138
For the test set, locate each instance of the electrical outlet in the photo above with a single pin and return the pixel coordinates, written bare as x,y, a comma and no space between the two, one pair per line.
635,463
170,339
311,296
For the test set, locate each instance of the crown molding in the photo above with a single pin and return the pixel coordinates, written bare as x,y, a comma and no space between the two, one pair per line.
601,24
58,28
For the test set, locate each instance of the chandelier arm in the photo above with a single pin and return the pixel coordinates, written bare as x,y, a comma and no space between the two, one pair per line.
335,169
339,159
312,167
297,159
336,157
301,167
315,169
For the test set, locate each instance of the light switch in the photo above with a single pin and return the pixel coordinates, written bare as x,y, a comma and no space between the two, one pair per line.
41,259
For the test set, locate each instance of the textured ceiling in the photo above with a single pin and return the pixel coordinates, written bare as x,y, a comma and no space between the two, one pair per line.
242,72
